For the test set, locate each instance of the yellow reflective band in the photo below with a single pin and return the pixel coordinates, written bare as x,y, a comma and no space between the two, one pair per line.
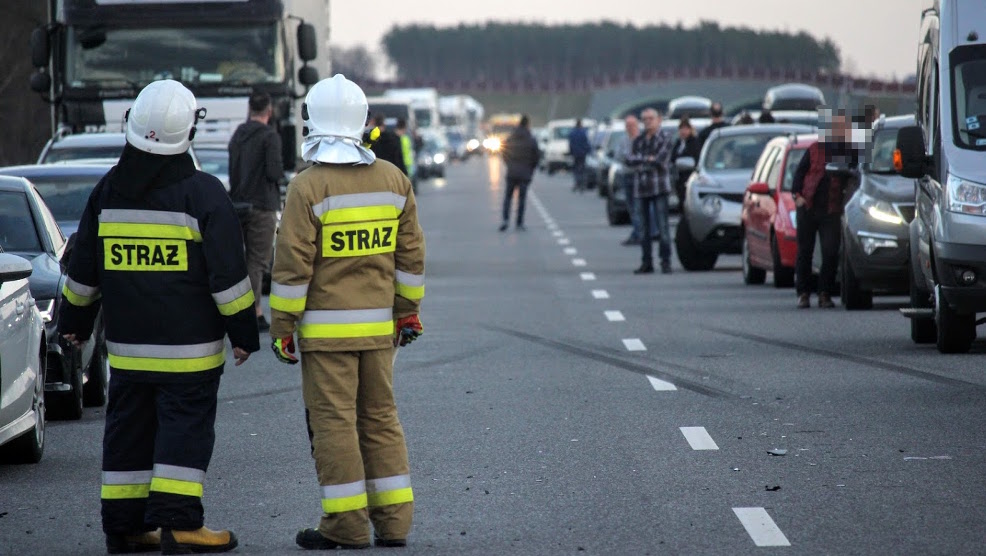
347,504
175,486
156,231
244,301
375,134
414,293
76,299
353,330
391,497
360,214
145,255
360,239
124,492
189,365
288,304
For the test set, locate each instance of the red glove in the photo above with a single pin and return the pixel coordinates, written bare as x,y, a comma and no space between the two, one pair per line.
284,350
408,330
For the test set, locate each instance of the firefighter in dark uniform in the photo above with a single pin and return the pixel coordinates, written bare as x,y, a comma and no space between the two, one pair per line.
159,248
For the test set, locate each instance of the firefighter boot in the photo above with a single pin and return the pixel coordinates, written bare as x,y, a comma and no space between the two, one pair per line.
311,539
149,541
200,541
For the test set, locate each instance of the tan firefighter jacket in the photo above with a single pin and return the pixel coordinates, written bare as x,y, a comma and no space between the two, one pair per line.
349,258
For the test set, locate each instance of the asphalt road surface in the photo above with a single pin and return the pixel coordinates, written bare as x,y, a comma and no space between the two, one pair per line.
558,404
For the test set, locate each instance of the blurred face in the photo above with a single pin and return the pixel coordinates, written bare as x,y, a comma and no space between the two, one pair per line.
684,132
840,129
652,121
632,125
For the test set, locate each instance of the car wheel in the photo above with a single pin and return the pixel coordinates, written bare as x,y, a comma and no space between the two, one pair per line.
692,258
923,331
30,446
851,293
752,276
68,405
95,390
783,275
955,331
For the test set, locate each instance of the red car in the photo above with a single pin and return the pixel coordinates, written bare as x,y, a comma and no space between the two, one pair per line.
769,218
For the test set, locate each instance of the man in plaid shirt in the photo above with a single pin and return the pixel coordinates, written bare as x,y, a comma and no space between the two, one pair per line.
650,159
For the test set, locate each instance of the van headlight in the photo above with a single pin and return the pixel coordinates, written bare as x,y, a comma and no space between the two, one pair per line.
881,211
439,158
965,196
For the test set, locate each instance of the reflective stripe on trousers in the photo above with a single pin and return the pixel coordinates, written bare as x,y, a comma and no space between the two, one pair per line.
121,485
165,358
173,479
389,490
358,323
344,498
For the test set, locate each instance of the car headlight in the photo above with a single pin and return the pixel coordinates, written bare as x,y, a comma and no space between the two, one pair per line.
712,205
492,144
793,216
472,145
881,211
45,307
965,196
439,158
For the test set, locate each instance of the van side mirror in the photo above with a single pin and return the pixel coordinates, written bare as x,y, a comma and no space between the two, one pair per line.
40,47
307,42
685,164
910,158
307,76
758,188
40,81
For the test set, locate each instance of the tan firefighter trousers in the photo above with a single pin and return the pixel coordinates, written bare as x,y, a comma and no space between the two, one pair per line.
358,444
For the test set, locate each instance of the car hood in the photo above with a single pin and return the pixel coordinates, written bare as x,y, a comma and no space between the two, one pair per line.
888,187
730,181
46,275
964,163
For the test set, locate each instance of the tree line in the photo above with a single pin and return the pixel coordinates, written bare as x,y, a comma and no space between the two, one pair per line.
523,52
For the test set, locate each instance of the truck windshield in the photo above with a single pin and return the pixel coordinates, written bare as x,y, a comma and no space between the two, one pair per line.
194,55
969,96
423,117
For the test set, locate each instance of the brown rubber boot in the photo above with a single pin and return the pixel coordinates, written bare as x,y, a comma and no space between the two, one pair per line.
149,541
803,301
825,301
200,541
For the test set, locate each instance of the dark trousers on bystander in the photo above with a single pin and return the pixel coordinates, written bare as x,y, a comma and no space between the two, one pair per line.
828,229
519,185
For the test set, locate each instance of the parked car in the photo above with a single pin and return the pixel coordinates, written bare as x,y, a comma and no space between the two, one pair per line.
593,162
793,96
22,365
690,107
457,144
65,188
770,239
432,156
803,117
711,216
948,234
89,147
74,376
556,155
617,210
875,234
606,156
215,161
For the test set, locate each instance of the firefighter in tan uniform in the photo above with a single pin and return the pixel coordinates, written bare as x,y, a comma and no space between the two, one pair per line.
348,279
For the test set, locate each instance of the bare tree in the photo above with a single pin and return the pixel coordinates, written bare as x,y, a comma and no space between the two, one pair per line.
356,62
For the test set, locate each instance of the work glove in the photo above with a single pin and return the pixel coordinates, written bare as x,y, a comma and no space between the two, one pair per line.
408,330
284,350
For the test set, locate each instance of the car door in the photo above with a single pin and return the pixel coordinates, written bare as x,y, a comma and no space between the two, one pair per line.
758,233
15,318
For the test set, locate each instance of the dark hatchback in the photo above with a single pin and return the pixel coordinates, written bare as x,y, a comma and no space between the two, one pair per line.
30,228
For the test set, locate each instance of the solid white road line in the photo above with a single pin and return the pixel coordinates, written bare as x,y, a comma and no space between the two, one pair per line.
661,385
588,276
615,316
579,262
558,233
564,241
698,438
571,251
761,527
634,344
600,294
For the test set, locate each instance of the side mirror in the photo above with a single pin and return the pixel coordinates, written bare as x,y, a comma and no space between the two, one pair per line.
685,164
40,81
910,159
307,42
307,76
40,47
759,188
13,268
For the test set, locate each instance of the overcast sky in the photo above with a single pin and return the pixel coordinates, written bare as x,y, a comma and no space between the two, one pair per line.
874,36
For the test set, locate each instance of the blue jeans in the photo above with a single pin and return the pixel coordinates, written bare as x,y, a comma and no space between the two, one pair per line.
654,211
634,213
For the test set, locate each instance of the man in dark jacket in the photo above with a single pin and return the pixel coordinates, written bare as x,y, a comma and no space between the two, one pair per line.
717,122
687,145
650,158
385,143
579,148
255,168
819,198
521,154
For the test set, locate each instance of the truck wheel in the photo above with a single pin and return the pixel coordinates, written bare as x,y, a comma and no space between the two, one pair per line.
955,331
852,294
751,275
783,275
94,392
690,255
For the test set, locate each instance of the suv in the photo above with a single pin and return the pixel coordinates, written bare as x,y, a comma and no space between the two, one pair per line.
946,153
556,155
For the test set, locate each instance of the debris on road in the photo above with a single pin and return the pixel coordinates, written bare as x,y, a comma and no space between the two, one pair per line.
777,452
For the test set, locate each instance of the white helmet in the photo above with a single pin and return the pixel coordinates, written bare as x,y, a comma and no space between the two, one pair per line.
162,119
335,107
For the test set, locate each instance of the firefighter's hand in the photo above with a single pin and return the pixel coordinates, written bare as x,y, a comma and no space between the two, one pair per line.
240,355
72,339
408,330
284,350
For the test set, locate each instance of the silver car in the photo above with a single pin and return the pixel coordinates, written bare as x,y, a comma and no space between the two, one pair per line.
711,216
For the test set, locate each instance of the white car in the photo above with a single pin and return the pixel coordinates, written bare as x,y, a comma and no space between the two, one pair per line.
85,148
556,156
22,366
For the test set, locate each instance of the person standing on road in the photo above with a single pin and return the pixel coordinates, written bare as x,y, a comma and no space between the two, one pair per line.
717,122
819,199
160,249
349,279
386,144
686,145
650,158
521,155
625,178
407,148
255,171
578,147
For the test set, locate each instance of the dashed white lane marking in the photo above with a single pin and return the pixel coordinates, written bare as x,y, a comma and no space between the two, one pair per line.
661,385
600,294
615,316
698,438
761,527
579,262
558,233
564,241
571,251
588,276
634,344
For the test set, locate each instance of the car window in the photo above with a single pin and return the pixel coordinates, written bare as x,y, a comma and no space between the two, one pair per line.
773,176
763,165
735,152
791,166
214,161
18,233
969,96
81,153
65,196
561,132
